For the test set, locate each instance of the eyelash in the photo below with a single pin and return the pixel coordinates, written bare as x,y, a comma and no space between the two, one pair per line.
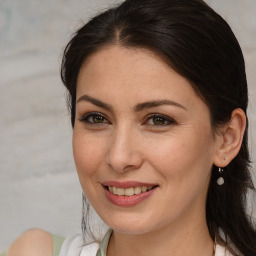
87,116
103,120
167,120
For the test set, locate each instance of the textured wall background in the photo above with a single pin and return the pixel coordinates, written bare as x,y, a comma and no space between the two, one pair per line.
39,187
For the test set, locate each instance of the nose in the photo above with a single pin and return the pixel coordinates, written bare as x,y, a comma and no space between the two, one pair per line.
124,154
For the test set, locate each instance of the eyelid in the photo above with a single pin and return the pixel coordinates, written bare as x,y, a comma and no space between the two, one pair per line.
84,118
170,120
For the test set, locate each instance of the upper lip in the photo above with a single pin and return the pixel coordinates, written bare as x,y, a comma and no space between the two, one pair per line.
127,184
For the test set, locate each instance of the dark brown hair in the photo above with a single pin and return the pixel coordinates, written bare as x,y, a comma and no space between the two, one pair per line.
198,44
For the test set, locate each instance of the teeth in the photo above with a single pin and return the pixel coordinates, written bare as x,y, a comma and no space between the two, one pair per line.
129,191
120,191
144,189
137,190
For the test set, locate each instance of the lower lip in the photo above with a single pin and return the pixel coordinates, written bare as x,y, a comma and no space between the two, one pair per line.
127,201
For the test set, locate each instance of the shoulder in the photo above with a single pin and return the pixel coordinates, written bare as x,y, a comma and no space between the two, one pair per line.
32,242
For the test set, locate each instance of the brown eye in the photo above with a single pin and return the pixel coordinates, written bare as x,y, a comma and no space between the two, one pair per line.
97,119
94,118
159,120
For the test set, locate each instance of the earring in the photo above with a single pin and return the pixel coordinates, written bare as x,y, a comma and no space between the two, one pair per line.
220,180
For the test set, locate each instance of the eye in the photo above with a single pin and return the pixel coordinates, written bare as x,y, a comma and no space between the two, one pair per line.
159,120
94,118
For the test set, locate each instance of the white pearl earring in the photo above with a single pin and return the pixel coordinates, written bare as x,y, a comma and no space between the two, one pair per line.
220,180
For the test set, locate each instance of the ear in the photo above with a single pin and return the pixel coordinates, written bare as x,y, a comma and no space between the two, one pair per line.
230,139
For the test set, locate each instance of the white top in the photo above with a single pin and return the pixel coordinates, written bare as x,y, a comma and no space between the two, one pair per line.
73,246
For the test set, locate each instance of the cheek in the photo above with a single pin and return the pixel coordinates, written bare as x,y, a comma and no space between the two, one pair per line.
88,154
184,166
182,158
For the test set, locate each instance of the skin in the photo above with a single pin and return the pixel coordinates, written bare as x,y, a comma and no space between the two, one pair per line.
126,144
175,151
32,242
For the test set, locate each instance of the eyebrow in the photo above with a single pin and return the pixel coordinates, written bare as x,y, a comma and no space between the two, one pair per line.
137,108
157,103
94,101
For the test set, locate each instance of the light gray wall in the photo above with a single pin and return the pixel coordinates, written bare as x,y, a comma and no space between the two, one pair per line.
39,186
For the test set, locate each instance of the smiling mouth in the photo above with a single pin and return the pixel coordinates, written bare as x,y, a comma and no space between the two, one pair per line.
129,191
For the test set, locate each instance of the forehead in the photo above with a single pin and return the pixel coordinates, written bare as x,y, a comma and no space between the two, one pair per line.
136,73
116,61
114,58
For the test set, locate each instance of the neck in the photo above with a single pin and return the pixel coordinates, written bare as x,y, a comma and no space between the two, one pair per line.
186,238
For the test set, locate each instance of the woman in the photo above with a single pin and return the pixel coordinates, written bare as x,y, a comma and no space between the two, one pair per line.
158,99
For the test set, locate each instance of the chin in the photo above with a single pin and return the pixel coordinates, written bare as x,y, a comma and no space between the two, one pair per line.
132,226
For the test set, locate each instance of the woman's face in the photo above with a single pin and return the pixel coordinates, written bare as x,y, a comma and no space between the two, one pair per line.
143,142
